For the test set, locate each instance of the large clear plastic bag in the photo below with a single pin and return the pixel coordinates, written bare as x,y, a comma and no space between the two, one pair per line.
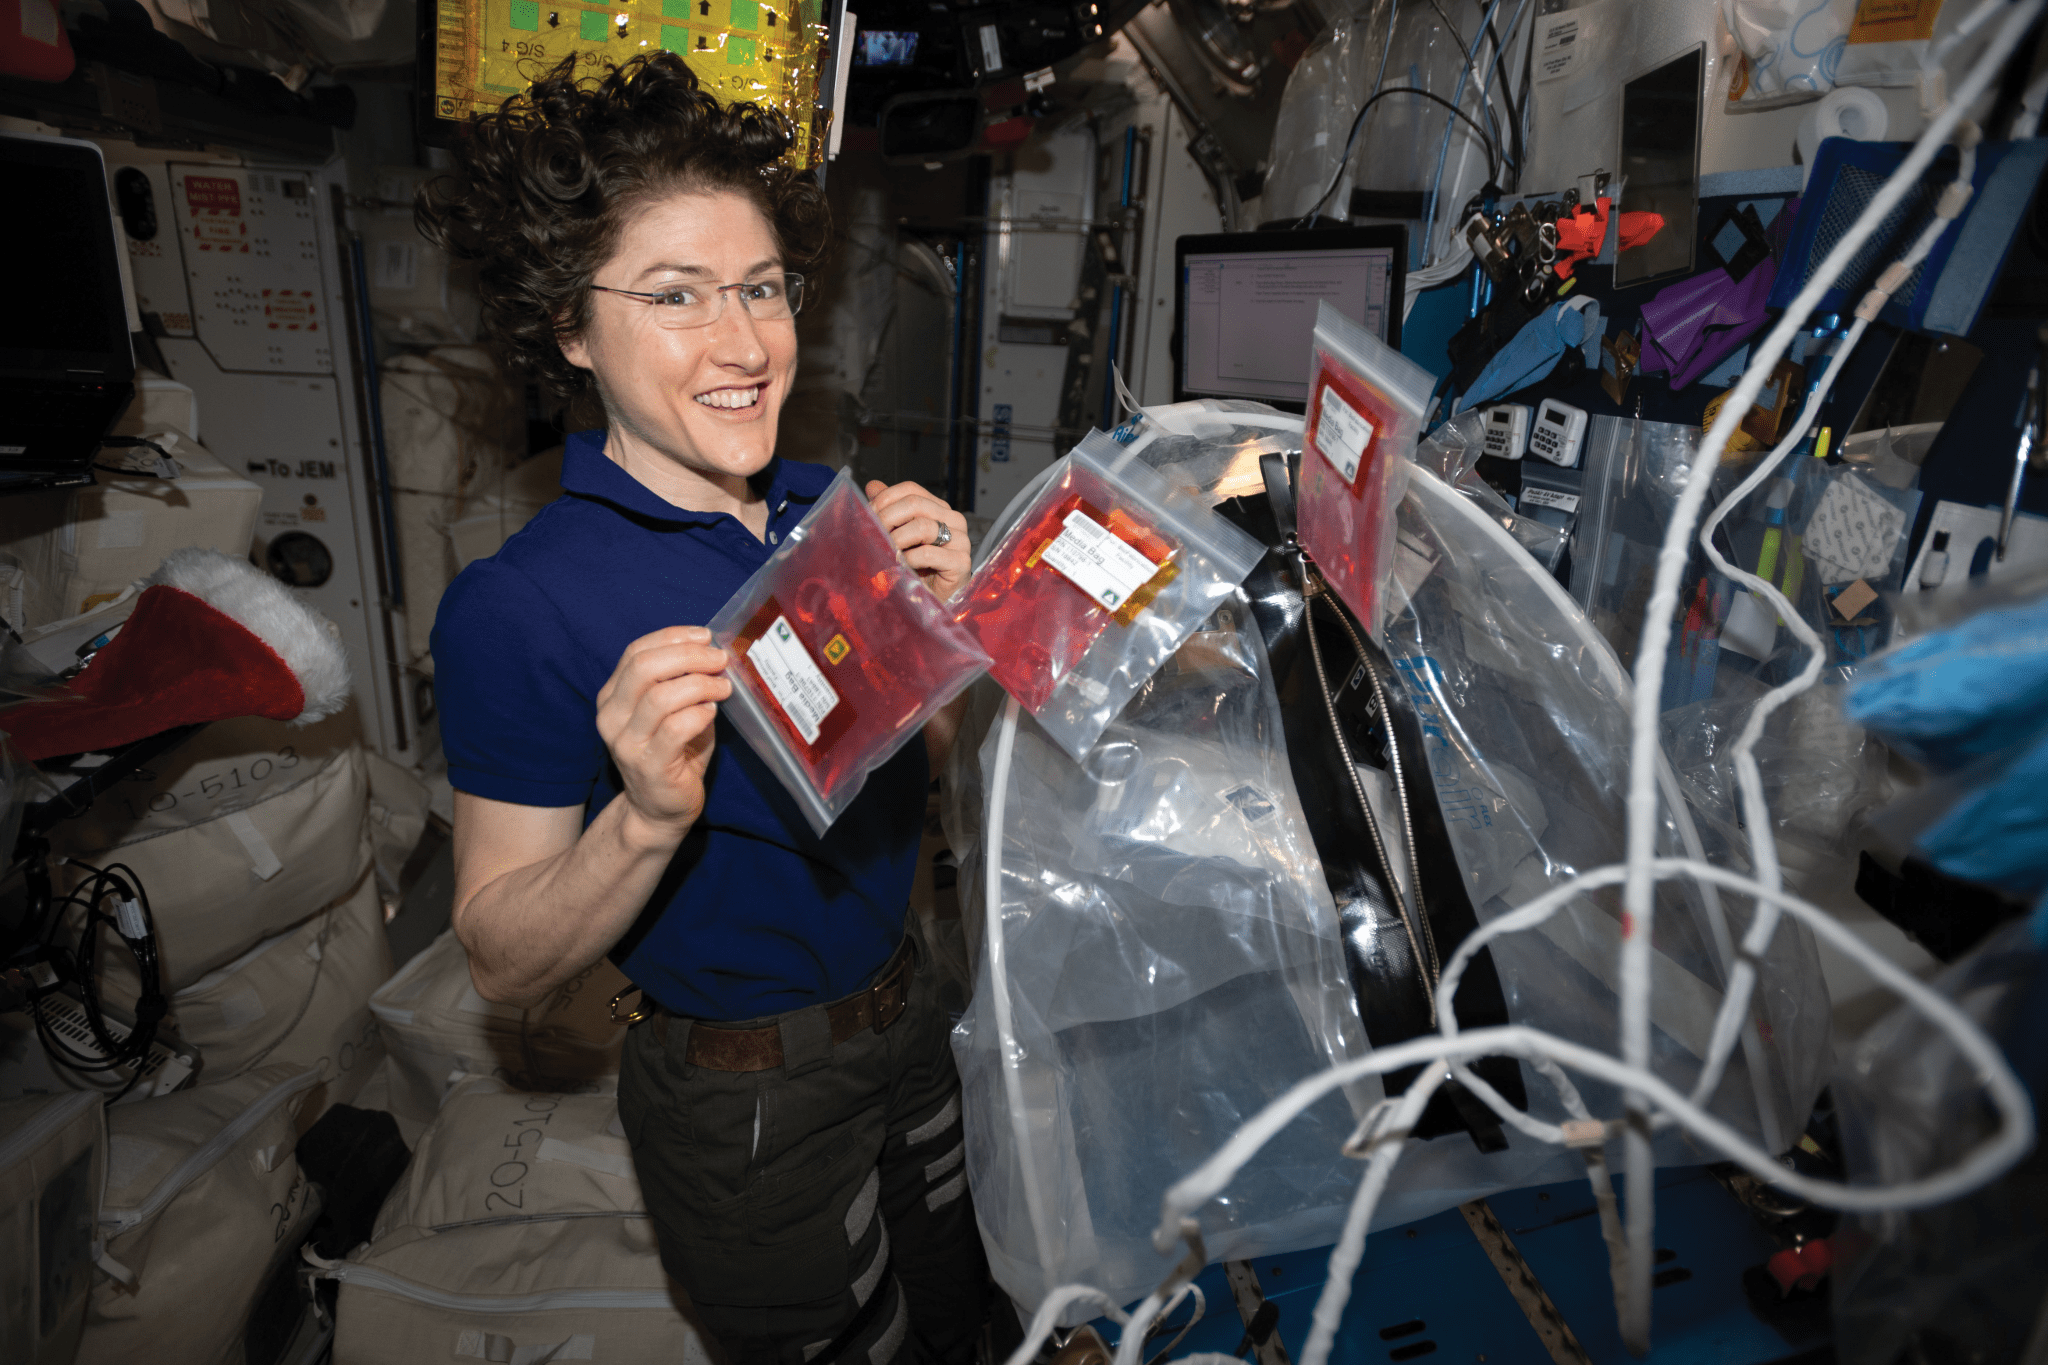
1529,758
1170,960
1967,1279
1325,88
1403,144
1821,772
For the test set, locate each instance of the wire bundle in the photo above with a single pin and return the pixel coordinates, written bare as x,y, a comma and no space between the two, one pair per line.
135,927
1650,1101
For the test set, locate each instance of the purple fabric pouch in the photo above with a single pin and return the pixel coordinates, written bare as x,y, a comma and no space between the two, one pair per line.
1692,326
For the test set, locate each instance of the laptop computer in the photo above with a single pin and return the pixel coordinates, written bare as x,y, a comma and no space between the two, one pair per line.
1245,305
67,368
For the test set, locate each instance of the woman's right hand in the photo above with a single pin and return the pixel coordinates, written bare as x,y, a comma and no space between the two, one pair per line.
655,716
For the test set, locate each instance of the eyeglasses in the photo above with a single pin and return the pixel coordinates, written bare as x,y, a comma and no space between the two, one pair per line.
679,306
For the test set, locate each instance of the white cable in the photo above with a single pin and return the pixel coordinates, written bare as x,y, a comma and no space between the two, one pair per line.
1048,1316
1987,1063
2026,121
1638,899
1748,777
1130,1347
1350,1248
999,985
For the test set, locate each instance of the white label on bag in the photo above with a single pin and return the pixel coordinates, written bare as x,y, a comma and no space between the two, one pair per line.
1097,563
1341,434
1560,49
794,679
1549,497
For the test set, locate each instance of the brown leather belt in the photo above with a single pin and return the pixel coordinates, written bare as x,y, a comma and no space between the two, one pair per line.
760,1049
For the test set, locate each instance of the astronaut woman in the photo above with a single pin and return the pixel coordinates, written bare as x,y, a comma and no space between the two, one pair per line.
790,1098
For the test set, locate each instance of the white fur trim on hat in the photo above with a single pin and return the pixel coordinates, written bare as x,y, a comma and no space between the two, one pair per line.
267,609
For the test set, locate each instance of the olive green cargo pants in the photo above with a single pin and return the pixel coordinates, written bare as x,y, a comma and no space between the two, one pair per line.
816,1211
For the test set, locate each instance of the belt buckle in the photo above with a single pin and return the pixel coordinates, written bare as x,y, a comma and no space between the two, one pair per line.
881,996
634,1015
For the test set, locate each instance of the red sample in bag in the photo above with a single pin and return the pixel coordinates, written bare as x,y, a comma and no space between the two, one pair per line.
1365,406
1071,570
840,654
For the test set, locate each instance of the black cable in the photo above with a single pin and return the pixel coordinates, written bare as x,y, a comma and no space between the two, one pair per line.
78,966
1344,162
1504,74
1471,51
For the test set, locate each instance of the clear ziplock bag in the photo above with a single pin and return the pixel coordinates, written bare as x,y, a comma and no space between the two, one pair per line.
1366,402
1099,578
840,654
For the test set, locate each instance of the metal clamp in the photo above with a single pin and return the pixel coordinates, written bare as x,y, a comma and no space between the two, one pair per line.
637,1013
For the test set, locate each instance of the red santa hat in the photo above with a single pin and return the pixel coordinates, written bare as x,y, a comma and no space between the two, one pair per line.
212,637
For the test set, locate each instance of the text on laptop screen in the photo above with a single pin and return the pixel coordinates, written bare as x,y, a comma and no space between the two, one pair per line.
1250,315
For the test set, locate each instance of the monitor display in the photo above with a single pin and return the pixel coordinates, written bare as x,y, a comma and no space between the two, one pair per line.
1248,301
887,47
66,313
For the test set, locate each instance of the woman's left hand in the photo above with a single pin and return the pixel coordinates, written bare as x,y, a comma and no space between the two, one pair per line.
931,536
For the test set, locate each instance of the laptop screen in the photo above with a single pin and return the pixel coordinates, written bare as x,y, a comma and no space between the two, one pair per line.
62,311
1248,305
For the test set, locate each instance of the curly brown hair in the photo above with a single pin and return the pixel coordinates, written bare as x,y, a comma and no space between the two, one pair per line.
544,184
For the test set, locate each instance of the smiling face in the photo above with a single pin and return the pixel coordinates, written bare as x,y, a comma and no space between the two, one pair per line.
692,411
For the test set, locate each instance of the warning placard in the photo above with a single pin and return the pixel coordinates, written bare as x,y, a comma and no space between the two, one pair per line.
216,204
289,310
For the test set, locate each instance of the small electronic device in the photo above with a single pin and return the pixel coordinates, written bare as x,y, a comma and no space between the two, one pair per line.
1245,305
1556,433
1507,430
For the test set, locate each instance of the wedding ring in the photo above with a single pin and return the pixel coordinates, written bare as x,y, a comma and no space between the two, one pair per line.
945,535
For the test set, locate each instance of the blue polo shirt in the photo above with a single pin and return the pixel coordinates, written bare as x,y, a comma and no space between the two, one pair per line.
756,915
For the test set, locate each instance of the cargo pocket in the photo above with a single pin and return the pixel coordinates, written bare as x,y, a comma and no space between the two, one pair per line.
783,1239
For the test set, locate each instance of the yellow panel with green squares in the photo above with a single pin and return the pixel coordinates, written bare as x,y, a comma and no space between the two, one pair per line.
767,51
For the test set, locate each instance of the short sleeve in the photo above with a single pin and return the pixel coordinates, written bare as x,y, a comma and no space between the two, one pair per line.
518,724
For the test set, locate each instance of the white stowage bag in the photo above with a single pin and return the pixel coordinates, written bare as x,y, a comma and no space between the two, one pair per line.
453,426
230,765
437,1029
220,886
204,1198
518,1233
399,805
80,547
52,1163
301,998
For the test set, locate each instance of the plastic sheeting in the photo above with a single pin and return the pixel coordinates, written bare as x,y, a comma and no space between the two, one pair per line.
1529,760
1400,146
1170,948
1584,54
1968,1279
1173,964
